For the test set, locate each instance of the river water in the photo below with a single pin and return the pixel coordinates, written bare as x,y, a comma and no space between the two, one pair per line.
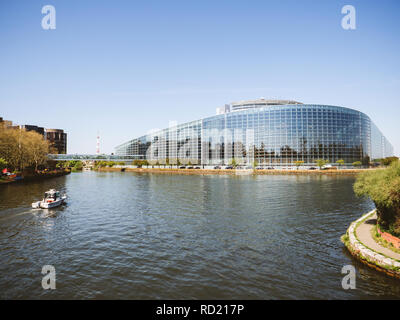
158,236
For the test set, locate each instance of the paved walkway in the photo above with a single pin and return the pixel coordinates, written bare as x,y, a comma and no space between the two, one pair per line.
363,233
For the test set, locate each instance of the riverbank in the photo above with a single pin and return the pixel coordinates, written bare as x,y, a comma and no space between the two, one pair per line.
234,172
360,242
37,176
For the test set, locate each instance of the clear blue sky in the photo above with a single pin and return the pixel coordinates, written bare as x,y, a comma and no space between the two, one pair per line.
125,67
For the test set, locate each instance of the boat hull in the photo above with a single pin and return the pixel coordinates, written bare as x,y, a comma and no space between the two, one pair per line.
48,205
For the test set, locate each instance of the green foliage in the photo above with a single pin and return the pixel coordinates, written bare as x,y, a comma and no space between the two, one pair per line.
340,162
357,163
60,164
321,162
3,164
366,160
76,165
111,164
298,163
387,161
255,164
383,187
23,149
101,164
140,163
233,163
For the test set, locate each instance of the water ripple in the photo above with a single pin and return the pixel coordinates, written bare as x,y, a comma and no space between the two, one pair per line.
149,236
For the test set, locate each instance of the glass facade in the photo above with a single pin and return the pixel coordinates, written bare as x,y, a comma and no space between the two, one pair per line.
269,134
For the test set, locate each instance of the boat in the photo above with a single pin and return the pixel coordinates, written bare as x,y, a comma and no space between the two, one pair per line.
52,198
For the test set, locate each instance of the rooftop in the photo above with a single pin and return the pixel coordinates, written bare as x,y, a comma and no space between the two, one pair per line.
263,101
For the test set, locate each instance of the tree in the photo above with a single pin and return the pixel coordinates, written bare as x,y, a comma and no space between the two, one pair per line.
100,164
321,162
298,163
3,164
110,164
388,160
255,164
9,146
340,162
357,163
233,163
37,148
21,148
137,163
383,187
78,166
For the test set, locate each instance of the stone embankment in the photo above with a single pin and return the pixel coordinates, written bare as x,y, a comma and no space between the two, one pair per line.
361,244
234,172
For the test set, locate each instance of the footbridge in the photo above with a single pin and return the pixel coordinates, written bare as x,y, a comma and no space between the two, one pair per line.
94,157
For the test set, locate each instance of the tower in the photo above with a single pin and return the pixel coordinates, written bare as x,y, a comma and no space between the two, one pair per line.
98,144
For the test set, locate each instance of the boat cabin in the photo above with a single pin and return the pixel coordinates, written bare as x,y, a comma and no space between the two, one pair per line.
51,195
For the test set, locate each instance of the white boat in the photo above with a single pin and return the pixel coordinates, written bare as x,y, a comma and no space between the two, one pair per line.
52,198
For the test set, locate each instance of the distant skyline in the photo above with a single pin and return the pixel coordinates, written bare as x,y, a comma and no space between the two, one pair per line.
123,68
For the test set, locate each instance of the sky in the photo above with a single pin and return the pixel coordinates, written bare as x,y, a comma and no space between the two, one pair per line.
123,68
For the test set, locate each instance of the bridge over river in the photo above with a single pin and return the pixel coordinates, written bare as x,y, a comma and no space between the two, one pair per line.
94,157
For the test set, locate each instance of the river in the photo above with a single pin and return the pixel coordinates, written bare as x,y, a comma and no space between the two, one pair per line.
161,236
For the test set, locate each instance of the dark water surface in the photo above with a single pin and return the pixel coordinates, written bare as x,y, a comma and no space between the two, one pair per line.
149,236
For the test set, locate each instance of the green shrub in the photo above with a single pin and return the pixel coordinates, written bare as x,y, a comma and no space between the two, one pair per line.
140,163
321,162
383,187
111,164
298,163
357,163
78,166
3,164
101,164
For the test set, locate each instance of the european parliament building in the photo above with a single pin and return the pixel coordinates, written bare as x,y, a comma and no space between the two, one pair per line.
266,132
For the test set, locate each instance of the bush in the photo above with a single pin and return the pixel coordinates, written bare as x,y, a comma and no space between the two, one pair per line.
357,163
140,163
101,164
383,187
3,164
321,162
387,161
